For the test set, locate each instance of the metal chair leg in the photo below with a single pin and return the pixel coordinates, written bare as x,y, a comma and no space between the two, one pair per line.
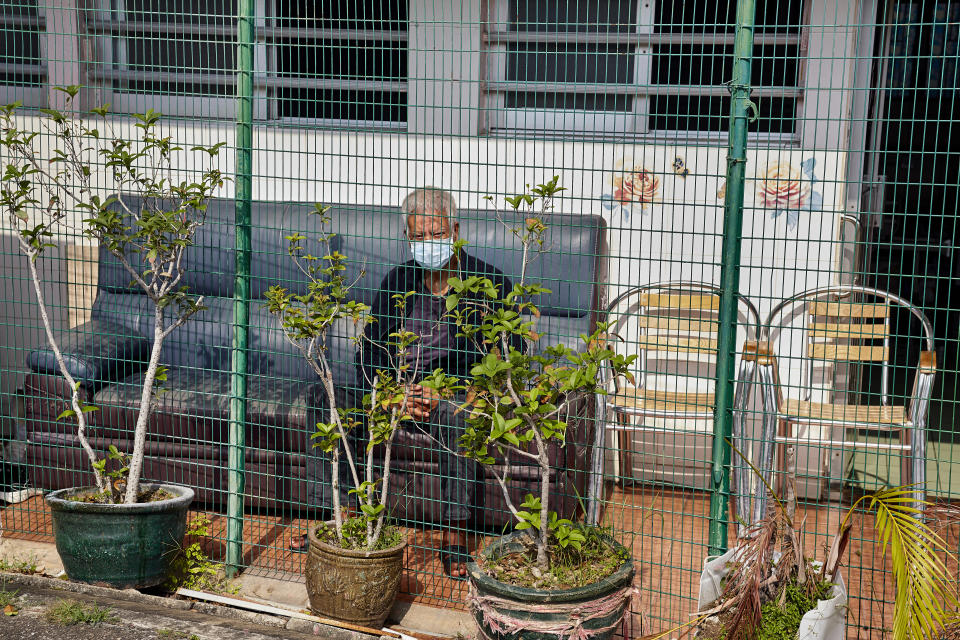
741,470
598,457
766,461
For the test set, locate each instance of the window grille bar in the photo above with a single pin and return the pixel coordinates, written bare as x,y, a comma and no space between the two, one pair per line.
25,69
275,82
635,90
123,28
639,39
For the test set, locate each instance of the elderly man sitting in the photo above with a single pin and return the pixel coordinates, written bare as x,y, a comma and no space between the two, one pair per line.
432,230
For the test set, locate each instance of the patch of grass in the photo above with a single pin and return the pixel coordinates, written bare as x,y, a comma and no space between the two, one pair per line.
27,565
174,634
9,601
8,597
70,612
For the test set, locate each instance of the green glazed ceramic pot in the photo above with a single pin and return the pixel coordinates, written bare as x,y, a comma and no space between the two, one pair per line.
127,546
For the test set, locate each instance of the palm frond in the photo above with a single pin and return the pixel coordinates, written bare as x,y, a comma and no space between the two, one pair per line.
925,591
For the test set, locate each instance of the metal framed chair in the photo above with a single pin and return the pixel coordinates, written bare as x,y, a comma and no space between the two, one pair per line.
677,327
844,328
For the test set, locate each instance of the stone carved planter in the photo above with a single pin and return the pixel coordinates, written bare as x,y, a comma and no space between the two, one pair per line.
353,586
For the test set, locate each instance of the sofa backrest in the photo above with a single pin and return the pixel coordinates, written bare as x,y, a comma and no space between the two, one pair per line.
571,265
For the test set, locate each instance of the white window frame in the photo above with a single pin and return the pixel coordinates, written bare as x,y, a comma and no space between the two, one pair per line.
29,97
604,124
109,69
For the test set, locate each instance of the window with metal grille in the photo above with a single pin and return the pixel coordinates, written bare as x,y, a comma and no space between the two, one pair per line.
337,63
343,61
23,69
635,67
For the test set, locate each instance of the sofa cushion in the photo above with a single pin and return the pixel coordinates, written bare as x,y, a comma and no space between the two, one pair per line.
95,353
194,404
210,264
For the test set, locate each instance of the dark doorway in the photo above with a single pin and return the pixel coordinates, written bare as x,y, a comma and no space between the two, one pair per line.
912,238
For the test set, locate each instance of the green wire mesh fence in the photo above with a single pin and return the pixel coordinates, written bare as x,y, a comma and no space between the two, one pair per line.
844,184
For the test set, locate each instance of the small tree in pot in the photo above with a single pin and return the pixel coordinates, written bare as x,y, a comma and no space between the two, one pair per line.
38,196
354,564
519,404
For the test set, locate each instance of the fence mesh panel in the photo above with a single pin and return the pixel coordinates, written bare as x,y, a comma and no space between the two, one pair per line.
851,188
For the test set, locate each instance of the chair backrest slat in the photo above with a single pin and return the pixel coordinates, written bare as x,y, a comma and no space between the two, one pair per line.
849,330
680,301
687,325
848,352
677,344
849,309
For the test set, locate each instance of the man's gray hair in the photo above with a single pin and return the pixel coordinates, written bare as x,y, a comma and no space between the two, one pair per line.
430,200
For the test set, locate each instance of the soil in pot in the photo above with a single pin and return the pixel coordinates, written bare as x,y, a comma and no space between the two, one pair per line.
507,611
155,494
349,583
598,558
119,545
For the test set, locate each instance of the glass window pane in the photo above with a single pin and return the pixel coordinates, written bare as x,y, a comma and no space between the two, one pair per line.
579,16
547,62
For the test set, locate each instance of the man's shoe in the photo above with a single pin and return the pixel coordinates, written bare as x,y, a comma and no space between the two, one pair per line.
15,483
16,496
454,554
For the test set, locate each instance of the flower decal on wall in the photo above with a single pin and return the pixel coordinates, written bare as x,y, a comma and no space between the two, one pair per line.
633,189
788,190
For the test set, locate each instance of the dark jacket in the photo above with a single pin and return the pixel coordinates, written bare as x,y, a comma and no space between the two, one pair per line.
406,277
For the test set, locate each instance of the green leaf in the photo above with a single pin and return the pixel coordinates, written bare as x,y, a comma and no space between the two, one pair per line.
71,90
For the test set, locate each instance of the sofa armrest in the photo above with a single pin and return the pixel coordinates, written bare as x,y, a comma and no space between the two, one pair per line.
97,352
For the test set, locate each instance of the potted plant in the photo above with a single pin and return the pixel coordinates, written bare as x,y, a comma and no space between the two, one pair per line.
768,587
551,577
119,532
354,562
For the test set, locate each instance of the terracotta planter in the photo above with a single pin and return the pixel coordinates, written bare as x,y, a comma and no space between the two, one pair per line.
506,612
127,546
353,586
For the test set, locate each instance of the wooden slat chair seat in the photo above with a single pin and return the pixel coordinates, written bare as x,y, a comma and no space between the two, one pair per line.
877,417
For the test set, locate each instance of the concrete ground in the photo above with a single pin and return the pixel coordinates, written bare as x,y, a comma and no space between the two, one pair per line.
127,617
142,616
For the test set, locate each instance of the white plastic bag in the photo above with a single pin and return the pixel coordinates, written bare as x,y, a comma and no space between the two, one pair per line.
827,622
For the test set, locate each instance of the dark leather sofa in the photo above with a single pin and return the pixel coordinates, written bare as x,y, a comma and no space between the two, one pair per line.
188,427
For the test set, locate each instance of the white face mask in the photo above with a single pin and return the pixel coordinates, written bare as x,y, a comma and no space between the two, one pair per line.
432,254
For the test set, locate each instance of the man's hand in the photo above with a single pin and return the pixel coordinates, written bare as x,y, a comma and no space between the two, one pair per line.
421,401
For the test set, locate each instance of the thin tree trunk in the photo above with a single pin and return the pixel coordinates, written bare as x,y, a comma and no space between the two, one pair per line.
383,490
61,363
368,473
143,417
543,560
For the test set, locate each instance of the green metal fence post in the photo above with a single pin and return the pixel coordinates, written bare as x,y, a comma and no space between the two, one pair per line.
730,272
241,304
